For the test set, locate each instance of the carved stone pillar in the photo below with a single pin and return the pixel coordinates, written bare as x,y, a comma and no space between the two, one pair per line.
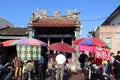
30,31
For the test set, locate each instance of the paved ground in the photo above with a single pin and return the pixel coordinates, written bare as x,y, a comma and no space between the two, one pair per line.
71,76
74,76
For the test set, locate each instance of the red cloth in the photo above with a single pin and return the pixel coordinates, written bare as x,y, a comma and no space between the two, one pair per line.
100,53
98,61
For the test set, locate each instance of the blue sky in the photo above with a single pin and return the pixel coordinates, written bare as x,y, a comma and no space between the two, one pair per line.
92,12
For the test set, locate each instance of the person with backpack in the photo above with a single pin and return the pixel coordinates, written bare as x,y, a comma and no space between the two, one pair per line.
82,58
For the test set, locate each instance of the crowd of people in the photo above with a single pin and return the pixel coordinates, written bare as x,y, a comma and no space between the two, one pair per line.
110,67
37,68
42,67
59,61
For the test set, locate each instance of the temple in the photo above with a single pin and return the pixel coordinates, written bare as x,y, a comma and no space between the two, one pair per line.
55,28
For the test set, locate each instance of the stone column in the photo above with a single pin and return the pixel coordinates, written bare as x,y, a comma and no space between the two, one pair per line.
30,31
76,55
62,40
48,41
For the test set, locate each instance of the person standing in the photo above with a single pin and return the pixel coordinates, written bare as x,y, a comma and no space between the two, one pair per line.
105,66
117,66
18,67
82,58
60,60
110,64
117,60
41,75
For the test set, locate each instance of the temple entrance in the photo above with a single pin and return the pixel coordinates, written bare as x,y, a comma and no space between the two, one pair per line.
53,40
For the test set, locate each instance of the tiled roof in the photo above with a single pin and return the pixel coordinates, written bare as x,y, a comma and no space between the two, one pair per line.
4,23
55,23
112,16
14,31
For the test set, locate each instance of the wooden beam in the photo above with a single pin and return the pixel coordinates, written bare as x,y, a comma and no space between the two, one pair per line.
13,37
56,36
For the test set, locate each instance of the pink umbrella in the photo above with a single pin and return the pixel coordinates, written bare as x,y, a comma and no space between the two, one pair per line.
85,48
31,41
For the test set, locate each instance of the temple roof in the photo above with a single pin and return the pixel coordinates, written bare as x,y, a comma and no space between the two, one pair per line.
54,23
41,19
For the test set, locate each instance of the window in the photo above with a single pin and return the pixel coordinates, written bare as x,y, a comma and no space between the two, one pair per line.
118,23
112,24
117,36
108,41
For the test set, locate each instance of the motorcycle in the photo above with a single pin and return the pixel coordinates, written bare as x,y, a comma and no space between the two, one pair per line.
97,73
27,70
93,72
6,71
87,71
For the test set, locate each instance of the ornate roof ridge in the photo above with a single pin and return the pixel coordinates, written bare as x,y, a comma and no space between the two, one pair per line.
42,14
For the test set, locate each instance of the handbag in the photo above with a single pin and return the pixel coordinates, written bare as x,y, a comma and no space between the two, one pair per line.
49,65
